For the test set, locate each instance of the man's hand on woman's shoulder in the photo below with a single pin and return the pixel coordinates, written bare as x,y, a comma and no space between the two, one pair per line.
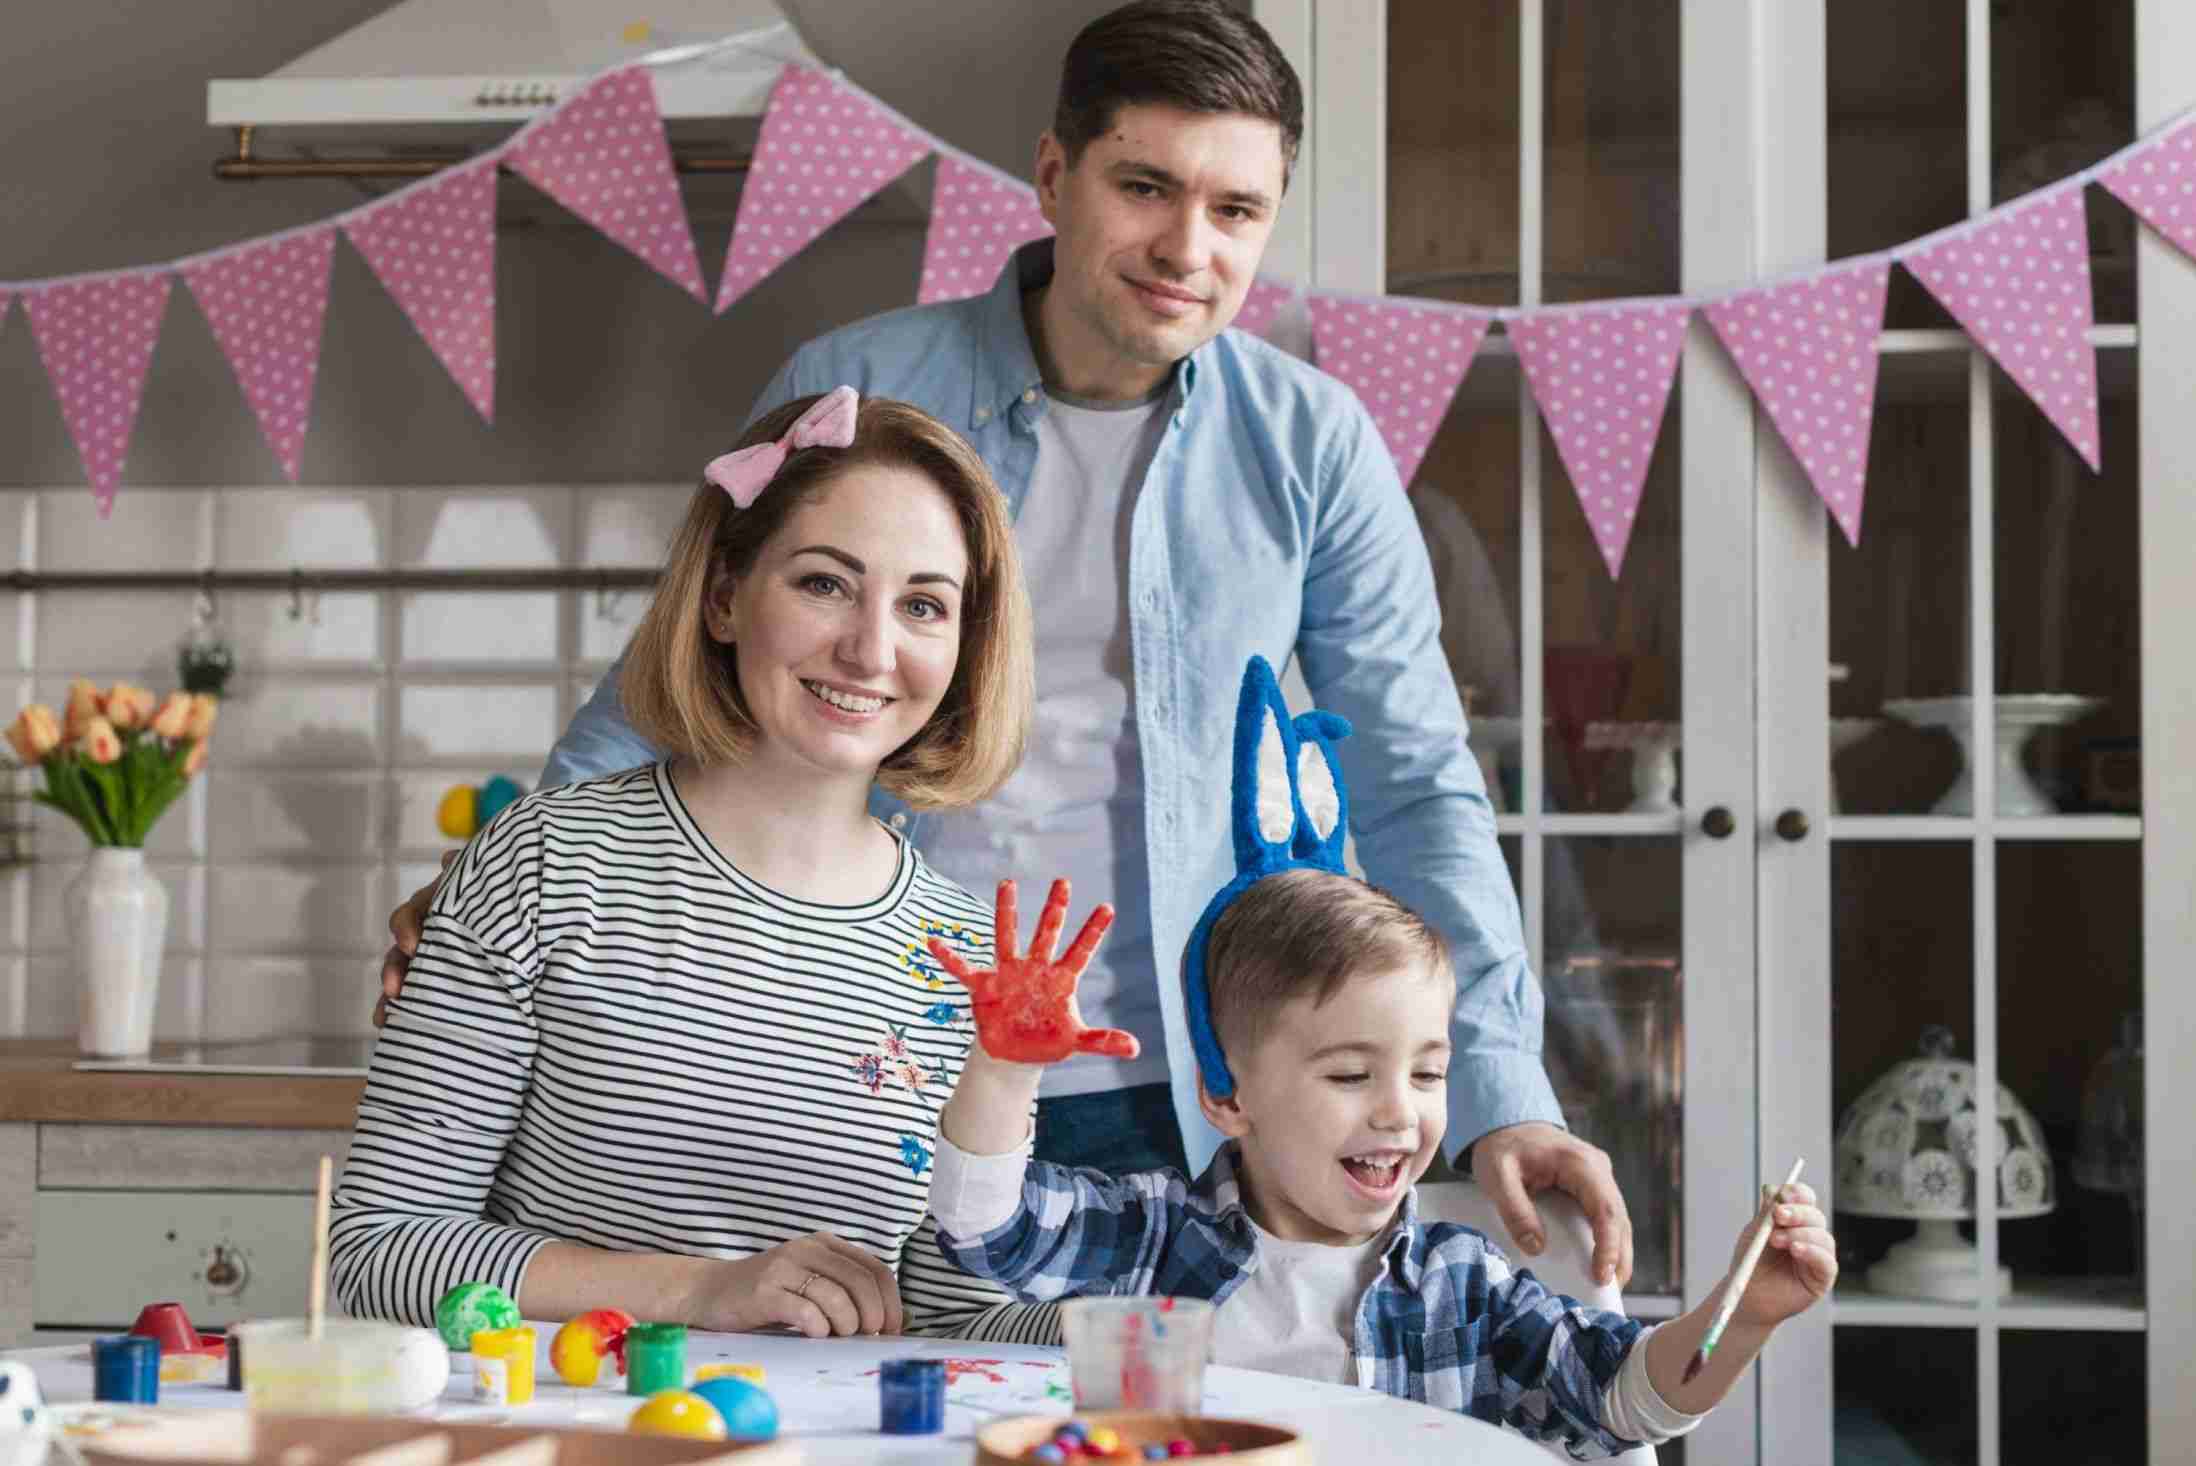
404,925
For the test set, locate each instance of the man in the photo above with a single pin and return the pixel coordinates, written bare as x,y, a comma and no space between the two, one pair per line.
1184,498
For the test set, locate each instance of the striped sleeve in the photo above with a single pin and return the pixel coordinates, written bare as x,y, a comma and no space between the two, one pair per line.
943,1302
443,1099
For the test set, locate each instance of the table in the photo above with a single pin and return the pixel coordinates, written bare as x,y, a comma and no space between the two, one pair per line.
827,1399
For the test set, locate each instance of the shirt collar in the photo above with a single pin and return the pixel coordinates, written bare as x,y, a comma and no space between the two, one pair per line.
1006,363
1221,1188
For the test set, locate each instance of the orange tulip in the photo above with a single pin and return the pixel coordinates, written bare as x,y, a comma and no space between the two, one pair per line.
128,706
100,743
85,704
34,733
174,718
204,705
195,759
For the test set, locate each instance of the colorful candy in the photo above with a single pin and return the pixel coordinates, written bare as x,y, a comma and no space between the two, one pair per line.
679,1413
580,1347
470,1307
748,1412
503,1366
655,1358
1105,1440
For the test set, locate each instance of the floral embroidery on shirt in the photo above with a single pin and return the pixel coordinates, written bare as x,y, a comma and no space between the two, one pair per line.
916,956
942,1014
915,1153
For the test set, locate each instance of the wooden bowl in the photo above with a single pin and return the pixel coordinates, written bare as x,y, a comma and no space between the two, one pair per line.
1251,1443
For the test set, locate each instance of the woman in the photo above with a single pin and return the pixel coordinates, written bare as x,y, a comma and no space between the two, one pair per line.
671,1041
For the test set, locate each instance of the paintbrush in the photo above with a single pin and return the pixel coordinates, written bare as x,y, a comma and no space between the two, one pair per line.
319,1298
1765,1223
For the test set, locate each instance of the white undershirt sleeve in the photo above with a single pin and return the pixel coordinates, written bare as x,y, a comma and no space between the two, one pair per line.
1634,1409
974,1194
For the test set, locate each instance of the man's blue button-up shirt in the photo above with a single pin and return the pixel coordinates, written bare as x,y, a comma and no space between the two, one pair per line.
1271,521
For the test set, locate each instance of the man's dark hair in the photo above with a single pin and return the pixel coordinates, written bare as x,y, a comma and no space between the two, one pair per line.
1198,55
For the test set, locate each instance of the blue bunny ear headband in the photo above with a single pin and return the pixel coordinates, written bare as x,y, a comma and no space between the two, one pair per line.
1290,811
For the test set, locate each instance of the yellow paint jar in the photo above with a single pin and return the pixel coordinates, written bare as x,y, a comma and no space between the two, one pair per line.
503,1366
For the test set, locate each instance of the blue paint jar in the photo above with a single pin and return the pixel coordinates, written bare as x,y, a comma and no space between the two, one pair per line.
911,1396
126,1369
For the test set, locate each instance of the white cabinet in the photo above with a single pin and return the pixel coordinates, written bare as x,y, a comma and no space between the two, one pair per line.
1715,1003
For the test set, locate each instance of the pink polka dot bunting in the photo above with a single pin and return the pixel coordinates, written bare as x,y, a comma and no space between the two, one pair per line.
433,247
96,338
2019,283
603,155
1404,361
1262,305
977,220
1808,350
2159,184
824,149
1602,375
266,303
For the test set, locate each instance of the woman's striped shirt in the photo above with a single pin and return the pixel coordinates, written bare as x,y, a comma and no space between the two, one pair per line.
611,1035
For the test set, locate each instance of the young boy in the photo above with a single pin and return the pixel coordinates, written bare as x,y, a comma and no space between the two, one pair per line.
1322,1006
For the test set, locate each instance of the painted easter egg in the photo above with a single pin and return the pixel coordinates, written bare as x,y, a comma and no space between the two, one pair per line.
496,795
580,1347
470,1307
748,1412
678,1413
458,815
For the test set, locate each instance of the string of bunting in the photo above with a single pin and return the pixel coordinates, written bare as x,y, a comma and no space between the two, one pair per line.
2016,279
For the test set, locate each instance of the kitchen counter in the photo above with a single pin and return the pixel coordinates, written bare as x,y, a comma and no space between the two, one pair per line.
39,1084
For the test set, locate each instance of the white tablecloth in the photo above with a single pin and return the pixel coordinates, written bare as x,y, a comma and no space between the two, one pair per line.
826,1393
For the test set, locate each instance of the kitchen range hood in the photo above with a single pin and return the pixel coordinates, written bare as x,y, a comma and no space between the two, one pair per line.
423,66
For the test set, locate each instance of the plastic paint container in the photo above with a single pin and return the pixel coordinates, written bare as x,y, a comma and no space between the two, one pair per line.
1138,1353
911,1396
356,1366
655,1358
126,1369
503,1366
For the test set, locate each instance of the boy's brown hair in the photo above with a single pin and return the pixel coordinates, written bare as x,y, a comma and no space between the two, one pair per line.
681,687
1198,55
1304,933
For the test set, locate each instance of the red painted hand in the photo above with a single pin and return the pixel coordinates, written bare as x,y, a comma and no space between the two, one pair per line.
1025,1007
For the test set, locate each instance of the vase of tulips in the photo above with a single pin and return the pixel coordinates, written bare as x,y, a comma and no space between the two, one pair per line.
113,762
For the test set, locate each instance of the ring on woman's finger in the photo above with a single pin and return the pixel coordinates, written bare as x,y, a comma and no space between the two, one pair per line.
802,1290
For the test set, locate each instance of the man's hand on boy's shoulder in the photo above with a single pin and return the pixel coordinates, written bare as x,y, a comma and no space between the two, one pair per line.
1513,1163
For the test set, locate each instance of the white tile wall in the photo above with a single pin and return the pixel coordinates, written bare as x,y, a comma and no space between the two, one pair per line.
351,713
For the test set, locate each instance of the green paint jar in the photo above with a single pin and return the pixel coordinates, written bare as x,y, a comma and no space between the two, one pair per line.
655,1358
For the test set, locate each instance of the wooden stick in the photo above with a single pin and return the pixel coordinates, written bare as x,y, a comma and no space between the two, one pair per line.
320,1249
1741,1275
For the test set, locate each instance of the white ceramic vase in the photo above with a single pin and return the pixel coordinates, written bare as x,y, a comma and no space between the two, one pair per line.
118,921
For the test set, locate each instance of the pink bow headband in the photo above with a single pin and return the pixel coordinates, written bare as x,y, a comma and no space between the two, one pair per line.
746,472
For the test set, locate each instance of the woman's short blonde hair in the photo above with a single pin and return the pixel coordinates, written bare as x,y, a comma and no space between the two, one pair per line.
681,688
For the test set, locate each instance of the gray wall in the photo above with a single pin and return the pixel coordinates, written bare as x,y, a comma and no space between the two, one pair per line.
606,372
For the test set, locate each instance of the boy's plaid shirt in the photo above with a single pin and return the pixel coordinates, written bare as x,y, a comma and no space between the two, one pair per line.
1447,1321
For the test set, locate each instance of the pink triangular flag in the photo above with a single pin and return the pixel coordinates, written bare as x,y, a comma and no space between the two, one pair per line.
604,156
824,149
2158,181
96,338
2019,283
1404,361
977,220
1808,349
1262,304
1602,375
432,246
266,303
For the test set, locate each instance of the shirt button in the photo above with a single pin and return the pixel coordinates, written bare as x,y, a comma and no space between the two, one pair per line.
983,414
1151,600
1029,394
899,821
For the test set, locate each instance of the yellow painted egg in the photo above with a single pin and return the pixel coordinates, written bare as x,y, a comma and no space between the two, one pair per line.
458,815
678,1413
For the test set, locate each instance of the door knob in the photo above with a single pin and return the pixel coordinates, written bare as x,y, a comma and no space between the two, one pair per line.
1717,823
1792,825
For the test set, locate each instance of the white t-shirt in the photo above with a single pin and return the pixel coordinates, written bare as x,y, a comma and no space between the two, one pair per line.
1075,807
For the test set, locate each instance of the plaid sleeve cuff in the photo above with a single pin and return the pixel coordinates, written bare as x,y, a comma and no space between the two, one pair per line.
972,1195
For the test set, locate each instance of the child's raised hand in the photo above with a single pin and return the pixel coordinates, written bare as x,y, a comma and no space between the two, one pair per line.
1797,1267
1025,1006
